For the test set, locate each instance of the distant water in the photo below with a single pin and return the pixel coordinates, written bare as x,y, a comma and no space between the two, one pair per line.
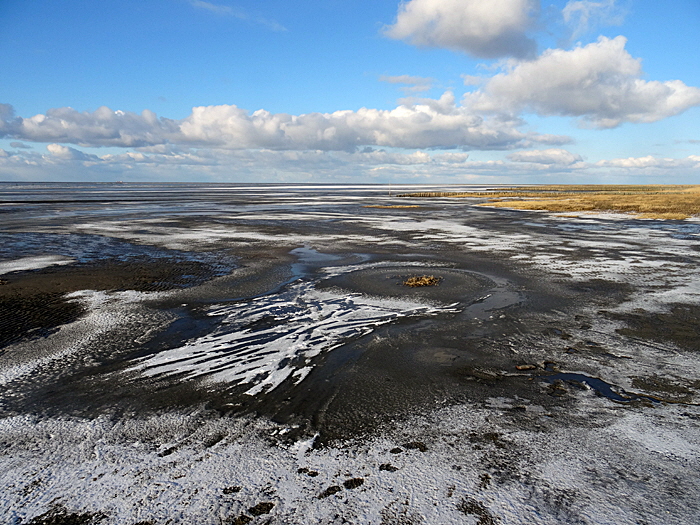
25,201
15,192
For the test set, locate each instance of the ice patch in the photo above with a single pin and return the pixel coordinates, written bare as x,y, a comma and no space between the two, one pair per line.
265,341
548,478
33,263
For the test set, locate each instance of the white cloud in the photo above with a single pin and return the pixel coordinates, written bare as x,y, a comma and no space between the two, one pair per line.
584,15
280,159
7,122
411,84
486,29
552,159
214,8
405,79
472,80
451,158
102,127
426,123
260,158
384,157
187,158
237,13
375,164
66,153
599,82
423,123
6,112
546,156
692,161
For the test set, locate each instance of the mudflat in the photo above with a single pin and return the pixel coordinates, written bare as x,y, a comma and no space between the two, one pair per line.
254,354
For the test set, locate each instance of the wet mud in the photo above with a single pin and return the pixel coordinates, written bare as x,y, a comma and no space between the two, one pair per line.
465,356
367,382
681,325
27,315
293,311
35,302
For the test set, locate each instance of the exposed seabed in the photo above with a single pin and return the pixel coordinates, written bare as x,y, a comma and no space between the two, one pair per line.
250,354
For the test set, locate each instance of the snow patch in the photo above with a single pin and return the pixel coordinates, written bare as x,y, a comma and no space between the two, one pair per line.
264,341
33,263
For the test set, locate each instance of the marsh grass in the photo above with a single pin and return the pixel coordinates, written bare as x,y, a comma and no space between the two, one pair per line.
422,280
655,202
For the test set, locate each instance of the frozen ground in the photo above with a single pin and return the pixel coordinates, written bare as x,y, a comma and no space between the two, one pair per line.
248,354
454,465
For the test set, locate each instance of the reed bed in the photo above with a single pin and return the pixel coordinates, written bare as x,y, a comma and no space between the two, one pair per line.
646,201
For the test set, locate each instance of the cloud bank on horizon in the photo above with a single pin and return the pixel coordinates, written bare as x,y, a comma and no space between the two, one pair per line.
586,89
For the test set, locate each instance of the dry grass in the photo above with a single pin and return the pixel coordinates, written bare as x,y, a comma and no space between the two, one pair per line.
422,280
657,202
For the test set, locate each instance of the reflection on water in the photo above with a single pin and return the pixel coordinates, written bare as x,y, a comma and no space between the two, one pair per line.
612,392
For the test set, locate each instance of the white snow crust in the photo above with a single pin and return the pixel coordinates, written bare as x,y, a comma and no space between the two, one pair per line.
198,469
33,263
305,322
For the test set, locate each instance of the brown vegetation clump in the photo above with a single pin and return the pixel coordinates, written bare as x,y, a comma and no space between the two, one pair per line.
646,201
422,280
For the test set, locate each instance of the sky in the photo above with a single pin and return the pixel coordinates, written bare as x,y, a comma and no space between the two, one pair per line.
369,91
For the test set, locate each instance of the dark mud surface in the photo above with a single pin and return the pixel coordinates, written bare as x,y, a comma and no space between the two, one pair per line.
26,315
34,302
273,325
681,325
411,364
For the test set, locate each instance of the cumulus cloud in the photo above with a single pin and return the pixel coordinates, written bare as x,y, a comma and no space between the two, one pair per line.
19,145
425,123
472,80
66,153
546,156
7,114
422,124
102,127
492,29
599,82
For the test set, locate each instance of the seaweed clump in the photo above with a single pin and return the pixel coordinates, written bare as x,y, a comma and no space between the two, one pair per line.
422,280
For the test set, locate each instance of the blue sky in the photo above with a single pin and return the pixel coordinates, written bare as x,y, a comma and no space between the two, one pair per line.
436,91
